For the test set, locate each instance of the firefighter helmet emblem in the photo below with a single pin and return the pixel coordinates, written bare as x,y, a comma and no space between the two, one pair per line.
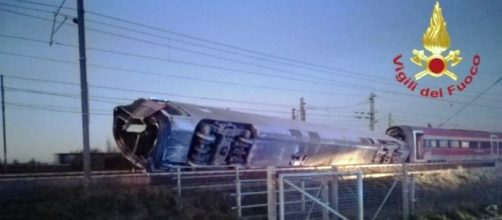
436,40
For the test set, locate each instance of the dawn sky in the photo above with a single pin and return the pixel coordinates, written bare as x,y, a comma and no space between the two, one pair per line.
253,56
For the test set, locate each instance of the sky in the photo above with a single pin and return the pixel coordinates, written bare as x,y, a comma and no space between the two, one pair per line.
254,56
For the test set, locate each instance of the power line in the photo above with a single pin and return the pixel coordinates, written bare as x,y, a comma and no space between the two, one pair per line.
190,78
470,102
346,85
52,109
148,91
328,108
213,81
44,4
76,96
107,97
150,34
348,74
187,36
221,68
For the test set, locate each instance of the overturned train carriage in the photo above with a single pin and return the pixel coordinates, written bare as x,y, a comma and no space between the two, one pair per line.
157,135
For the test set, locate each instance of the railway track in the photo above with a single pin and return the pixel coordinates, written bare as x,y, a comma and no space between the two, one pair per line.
230,171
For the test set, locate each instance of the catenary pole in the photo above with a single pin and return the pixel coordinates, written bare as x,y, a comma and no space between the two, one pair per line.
3,125
84,92
372,111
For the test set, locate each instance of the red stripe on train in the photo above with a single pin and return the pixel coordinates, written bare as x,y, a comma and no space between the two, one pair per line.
459,151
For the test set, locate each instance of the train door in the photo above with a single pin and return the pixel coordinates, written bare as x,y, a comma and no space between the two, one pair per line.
418,142
494,145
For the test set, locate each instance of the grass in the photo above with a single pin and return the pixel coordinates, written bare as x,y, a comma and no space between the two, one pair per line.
460,194
138,203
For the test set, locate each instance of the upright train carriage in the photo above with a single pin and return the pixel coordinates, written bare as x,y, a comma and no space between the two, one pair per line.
445,145
159,134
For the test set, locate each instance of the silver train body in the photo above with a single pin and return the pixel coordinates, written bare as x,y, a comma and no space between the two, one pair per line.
158,135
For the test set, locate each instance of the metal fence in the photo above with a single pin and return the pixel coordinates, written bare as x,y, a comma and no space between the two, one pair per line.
351,192
321,195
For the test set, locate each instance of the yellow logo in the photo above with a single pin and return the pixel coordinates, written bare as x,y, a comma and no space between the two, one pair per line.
436,40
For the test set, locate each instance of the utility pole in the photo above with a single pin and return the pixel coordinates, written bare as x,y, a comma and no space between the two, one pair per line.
372,111
371,115
303,114
293,114
84,92
390,120
3,125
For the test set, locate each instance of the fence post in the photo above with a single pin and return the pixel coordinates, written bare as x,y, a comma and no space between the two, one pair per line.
412,194
406,193
271,194
302,196
360,206
282,202
334,191
178,180
325,196
178,185
334,194
238,191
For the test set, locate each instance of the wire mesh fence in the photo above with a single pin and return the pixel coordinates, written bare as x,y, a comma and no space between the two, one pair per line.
397,193
320,195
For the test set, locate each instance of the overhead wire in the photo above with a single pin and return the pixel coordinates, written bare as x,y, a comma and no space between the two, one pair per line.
346,85
470,102
352,74
218,82
306,77
147,91
487,106
214,81
96,98
52,108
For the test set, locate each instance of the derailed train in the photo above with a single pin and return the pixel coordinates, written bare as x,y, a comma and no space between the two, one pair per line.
158,135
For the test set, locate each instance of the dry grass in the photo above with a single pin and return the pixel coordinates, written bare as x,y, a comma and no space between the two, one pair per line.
138,203
460,194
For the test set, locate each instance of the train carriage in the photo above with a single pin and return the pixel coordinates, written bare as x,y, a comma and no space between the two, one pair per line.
158,134
446,145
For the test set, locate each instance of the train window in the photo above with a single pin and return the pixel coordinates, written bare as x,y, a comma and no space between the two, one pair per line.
473,144
486,145
454,144
464,144
443,143
432,143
